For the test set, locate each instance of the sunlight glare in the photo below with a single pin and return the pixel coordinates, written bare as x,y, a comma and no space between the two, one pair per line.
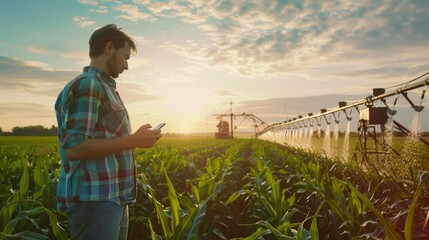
189,100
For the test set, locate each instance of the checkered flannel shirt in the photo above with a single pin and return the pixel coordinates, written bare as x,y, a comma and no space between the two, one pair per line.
90,107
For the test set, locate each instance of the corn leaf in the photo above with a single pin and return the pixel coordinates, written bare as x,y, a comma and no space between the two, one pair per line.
174,202
183,227
25,235
314,231
389,229
256,235
58,231
162,216
273,230
24,182
410,215
193,232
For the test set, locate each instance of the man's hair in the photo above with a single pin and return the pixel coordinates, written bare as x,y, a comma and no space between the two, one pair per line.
102,36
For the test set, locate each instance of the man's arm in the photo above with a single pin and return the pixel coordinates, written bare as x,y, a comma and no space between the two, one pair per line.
94,148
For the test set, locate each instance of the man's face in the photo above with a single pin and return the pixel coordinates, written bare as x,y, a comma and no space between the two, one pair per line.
118,62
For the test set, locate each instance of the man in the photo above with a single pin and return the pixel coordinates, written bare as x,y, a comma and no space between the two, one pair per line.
97,177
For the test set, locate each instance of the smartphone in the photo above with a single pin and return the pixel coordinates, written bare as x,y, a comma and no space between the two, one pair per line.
159,126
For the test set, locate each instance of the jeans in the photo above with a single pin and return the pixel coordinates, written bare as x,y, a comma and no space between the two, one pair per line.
98,220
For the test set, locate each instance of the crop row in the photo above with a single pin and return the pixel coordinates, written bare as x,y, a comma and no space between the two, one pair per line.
200,188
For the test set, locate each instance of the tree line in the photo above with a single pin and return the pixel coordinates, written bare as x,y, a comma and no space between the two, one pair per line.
37,130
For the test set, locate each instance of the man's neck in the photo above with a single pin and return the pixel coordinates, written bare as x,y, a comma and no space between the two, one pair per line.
99,64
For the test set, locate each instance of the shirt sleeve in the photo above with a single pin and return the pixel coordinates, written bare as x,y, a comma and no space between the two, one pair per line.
81,112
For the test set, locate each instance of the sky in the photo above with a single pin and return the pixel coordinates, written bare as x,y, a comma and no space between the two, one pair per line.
195,56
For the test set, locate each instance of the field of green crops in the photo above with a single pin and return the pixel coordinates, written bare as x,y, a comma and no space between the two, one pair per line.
202,188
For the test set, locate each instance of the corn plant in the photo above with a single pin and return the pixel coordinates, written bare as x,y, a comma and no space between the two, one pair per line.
410,215
177,222
25,218
185,214
202,188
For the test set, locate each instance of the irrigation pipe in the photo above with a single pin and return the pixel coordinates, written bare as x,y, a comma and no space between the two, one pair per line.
367,100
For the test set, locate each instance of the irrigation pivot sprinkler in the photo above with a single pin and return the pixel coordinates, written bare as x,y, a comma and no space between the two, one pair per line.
226,129
223,131
417,109
342,105
371,141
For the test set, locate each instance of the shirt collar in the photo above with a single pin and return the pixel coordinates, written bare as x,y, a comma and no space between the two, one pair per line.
101,74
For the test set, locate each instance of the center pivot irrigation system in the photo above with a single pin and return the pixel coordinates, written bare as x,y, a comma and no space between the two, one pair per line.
226,130
371,117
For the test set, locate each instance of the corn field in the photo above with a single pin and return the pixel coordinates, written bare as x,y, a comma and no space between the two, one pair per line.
202,188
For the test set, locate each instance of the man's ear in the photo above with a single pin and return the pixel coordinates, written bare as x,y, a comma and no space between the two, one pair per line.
109,49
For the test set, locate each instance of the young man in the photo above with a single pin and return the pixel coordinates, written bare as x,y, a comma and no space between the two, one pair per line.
97,177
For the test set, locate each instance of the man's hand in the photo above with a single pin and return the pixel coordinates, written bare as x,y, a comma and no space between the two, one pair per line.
94,148
144,137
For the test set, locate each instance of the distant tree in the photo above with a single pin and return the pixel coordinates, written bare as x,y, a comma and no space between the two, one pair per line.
37,130
53,131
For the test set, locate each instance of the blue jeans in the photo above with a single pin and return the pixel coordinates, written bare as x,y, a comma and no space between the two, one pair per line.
98,220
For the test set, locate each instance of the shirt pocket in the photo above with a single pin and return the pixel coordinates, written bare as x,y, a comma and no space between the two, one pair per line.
117,122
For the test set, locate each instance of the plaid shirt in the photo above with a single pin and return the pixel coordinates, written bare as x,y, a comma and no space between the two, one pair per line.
90,107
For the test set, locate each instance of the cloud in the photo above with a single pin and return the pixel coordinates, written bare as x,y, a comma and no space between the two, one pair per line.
132,13
83,22
184,10
35,49
25,110
269,37
281,36
88,2
137,62
31,76
156,7
37,64
80,55
141,39
130,95
99,11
